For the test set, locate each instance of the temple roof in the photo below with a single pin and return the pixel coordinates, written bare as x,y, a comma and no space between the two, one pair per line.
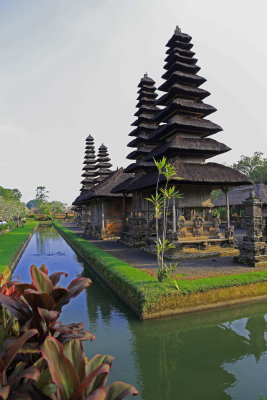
146,81
184,106
182,78
182,91
139,166
201,127
239,194
187,146
103,189
211,174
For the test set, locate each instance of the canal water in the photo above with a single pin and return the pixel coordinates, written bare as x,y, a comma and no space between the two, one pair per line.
219,354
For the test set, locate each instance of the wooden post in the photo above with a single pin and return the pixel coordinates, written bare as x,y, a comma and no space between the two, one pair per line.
227,208
173,216
102,216
147,214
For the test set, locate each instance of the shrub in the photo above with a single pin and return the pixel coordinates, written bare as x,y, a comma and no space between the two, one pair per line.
40,358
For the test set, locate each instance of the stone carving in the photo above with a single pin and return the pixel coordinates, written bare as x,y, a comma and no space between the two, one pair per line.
198,224
253,250
180,226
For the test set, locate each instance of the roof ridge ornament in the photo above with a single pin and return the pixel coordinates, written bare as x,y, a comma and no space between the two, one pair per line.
177,30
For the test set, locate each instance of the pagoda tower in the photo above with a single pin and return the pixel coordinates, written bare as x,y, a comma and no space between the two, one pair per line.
184,129
103,165
145,126
90,166
180,131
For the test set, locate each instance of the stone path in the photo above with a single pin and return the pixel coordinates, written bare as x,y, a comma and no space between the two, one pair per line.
192,269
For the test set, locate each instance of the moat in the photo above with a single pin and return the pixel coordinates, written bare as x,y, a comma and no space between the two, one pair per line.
220,354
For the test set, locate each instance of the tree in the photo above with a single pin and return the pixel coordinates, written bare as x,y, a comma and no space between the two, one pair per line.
10,194
41,196
32,204
254,167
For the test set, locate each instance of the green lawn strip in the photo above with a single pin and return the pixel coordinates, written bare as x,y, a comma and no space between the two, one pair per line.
11,242
143,290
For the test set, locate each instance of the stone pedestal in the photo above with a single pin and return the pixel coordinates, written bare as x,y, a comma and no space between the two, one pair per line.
253,250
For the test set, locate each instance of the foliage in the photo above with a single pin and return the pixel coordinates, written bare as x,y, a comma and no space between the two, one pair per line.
41,196
32,204
254,167
12,210
11,242
53,207
142,291
41,358
10,194
161,202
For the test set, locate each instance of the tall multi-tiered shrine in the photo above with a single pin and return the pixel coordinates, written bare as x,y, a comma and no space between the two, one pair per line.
181,133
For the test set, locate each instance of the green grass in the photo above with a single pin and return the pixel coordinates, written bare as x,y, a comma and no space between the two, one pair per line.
11,242
144,292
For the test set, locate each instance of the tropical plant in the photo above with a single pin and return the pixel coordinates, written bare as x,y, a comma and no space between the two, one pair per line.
161,201
41,359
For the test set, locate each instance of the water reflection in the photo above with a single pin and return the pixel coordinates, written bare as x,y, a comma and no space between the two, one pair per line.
219,354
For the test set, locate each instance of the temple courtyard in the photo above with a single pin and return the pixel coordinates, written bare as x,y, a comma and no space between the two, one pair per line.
192,268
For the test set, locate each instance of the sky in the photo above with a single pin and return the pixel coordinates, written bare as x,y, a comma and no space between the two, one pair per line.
70,68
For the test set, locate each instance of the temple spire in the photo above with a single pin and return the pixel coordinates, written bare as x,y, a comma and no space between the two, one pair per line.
145,125
103,165
89,168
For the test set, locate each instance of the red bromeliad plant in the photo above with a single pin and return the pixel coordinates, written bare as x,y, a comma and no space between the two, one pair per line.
41,359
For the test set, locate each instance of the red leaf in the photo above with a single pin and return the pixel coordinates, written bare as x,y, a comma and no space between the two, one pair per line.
4,392
17,307
80,392
61,369
44,269
41,281
31,372
56,276
120,390
99,394
37,299
12,352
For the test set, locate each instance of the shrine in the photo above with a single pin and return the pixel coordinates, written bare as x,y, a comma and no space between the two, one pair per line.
175,126
99,211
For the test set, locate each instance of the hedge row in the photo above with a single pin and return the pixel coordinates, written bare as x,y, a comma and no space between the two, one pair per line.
143,292
12,242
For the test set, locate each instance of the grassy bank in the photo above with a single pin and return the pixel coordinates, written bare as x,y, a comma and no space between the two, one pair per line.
148,298
12,242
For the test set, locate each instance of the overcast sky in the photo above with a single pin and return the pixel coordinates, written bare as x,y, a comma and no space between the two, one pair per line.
69,68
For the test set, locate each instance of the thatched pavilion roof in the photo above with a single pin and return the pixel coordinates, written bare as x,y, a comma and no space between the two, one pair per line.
239,194
104,189
211,174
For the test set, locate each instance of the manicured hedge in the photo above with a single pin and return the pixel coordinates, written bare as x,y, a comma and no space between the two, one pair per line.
143,292
11,243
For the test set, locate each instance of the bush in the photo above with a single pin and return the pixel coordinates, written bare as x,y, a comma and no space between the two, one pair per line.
41,359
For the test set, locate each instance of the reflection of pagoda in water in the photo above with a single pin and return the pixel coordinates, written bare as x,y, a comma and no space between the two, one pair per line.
180,358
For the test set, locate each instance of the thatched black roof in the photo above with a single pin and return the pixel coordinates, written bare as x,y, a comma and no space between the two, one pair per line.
146,81
211,174
184,78
239,194
202,127
139,166
180,145
184,106
104,189
178,89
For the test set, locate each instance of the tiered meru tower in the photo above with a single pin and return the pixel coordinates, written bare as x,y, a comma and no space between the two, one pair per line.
181,134
90,167
145,126
103,165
